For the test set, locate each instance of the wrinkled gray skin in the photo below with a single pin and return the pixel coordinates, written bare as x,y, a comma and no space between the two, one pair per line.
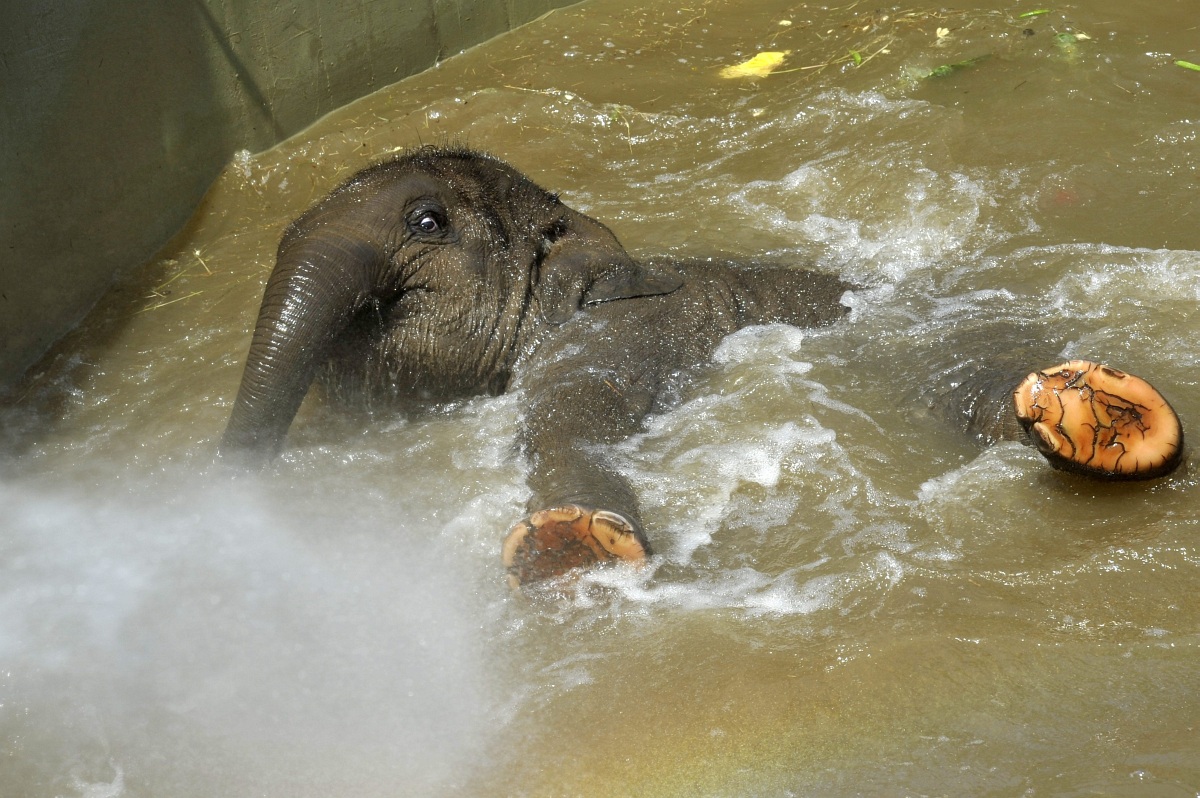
446,273
595,378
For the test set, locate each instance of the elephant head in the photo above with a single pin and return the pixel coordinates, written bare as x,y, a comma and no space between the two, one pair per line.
425,277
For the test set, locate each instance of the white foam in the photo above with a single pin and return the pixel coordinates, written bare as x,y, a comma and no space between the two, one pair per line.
781,342
799,591
740,589
1004,462
937,219
1110,279
102,789
696,465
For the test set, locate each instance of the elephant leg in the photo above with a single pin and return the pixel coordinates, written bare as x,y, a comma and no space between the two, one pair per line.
1098,421
549,543
582,511
601,374
1083,417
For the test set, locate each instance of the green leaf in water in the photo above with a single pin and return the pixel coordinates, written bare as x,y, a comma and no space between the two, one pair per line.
1188,65
1036,13
857,56
1068,45
949,69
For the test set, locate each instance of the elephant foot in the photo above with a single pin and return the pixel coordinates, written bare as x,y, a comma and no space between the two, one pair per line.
1100,422
549,543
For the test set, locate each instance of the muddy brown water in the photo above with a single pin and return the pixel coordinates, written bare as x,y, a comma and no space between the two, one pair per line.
848,600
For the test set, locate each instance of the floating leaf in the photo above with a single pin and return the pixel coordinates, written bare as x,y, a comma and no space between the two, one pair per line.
1036,13
949,69
759,66
1188,65
857,56
1068,45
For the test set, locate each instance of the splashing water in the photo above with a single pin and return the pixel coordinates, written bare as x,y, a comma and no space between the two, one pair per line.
842,586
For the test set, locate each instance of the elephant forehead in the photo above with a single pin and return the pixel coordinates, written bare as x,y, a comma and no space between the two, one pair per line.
478,192
487,183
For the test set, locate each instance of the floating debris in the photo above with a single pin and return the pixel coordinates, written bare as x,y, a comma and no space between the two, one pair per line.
1067,44
945,70
759,66
1188,65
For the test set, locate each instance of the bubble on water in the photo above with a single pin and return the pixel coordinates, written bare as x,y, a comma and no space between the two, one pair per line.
242,161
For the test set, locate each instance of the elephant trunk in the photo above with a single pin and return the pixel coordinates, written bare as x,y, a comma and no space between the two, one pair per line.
319,283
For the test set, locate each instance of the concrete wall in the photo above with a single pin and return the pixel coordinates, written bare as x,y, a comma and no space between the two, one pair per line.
115,115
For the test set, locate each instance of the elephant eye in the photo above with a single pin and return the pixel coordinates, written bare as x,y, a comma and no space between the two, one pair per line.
426,222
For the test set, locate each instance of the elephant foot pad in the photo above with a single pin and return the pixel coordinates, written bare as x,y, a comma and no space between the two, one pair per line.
1098,421
549,543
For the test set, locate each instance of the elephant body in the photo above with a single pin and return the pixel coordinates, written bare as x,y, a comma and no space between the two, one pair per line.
593,379
446,273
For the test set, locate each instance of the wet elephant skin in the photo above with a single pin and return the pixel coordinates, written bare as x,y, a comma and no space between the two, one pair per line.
446,273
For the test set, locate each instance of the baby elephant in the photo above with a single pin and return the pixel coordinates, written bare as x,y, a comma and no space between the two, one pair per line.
446,273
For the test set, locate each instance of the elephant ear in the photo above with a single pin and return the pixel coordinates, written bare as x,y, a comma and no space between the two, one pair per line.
585,269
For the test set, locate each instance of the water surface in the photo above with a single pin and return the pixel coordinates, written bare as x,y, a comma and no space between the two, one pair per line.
849,599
